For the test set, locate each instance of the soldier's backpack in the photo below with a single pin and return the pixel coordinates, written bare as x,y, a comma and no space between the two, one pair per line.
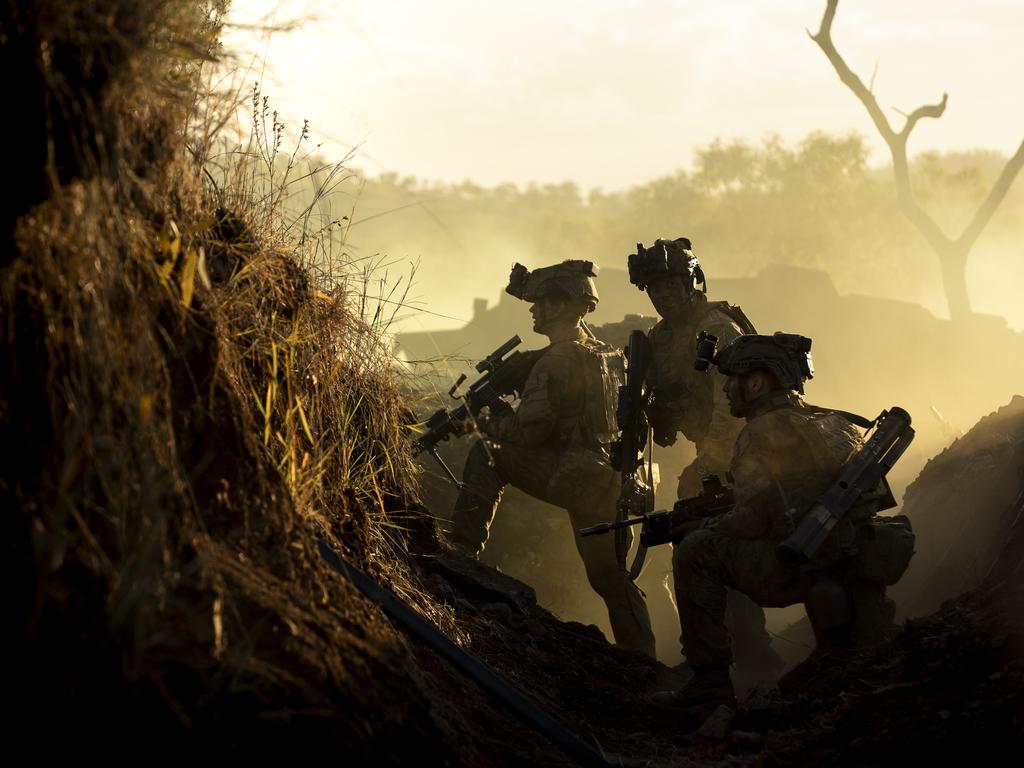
605,373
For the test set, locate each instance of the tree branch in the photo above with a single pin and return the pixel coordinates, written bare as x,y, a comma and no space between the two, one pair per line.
929,110
897,141
824,41
952,253
995,197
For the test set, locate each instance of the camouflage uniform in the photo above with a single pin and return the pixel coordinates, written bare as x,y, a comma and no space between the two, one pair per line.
692,402
787,454
554,447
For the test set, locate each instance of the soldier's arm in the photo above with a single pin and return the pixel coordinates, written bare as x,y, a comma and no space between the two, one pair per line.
661,413
755,493
536,417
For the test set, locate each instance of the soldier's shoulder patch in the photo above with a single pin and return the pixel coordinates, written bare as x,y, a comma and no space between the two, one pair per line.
557,355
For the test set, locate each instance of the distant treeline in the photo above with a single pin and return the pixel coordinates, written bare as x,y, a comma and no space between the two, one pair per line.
819,203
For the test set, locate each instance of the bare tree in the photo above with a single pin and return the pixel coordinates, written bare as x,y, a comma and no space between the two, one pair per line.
952,253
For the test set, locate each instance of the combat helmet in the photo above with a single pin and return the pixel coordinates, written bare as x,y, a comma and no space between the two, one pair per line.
666,257
787,355
573,277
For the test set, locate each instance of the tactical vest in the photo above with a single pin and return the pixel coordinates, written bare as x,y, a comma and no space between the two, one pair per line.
690,392
606,372
588,420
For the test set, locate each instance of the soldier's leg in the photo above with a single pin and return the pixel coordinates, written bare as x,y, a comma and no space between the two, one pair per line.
627,610
752,650
579,483
705,564
482,485
755,659
873,614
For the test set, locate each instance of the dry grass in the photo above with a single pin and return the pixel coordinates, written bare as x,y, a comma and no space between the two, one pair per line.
193,389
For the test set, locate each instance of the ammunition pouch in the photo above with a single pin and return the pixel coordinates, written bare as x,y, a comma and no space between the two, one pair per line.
885,545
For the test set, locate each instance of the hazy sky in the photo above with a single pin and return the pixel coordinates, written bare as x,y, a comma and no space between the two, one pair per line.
611,92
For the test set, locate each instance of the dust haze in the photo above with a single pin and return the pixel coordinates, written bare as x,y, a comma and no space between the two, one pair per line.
804,232
806,238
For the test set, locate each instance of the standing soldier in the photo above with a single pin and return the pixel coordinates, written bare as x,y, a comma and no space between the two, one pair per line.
691,402
554,446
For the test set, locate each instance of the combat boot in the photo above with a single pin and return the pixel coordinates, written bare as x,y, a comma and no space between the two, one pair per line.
707,688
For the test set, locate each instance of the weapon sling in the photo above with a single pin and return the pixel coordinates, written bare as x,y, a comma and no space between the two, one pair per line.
469,665
627,453
641,548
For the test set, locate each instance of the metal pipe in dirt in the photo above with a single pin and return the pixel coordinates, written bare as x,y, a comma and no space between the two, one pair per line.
465,662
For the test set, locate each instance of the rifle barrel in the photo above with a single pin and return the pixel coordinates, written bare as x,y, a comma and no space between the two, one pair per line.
595,530
494,358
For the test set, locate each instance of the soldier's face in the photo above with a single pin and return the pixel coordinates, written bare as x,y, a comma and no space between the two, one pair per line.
741,390
546,312
733,389
668,295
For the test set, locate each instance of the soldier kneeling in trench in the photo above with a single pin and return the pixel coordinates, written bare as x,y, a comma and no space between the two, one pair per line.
787,455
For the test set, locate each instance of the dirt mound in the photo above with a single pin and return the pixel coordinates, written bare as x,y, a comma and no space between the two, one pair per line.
950,686
186,406
961,508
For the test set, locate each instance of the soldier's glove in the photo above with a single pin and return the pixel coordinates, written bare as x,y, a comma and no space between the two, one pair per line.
662,428
634,499
500,411
664,436
464,426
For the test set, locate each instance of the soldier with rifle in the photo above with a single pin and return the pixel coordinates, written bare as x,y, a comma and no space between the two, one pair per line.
554,445
803,527
679,399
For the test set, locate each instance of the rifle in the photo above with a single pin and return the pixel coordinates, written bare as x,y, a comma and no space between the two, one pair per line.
627,452
859,480
667,525
501,377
